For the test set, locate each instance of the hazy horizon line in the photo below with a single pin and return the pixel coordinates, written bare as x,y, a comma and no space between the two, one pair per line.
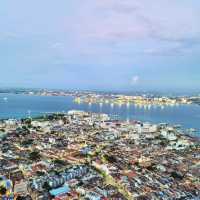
123,91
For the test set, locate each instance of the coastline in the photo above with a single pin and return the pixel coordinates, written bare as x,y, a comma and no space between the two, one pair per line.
18,106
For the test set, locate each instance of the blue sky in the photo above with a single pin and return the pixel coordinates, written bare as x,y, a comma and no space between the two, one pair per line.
100,44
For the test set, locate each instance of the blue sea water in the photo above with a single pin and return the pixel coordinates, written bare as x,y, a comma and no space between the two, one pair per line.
19,106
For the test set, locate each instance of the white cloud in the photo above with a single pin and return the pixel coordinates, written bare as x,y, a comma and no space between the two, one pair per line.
135,80
101,23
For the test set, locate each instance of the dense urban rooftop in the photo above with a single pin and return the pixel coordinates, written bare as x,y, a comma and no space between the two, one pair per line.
80,155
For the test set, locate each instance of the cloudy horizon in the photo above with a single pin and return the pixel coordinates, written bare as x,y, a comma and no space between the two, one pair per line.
100,44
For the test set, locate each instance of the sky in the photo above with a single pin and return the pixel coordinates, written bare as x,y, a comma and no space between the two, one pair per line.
128,45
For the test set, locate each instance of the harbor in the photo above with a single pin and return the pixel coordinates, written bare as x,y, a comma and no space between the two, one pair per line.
21,106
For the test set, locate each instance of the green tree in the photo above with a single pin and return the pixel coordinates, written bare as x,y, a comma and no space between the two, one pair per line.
2,190
34,155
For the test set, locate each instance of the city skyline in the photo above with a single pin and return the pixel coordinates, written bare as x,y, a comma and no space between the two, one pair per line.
100,45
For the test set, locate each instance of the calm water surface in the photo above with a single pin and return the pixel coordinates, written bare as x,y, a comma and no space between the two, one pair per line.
18,106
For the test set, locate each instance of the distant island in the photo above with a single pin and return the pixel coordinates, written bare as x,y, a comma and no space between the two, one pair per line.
139,98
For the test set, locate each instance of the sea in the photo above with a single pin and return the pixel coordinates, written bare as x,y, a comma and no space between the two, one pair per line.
22,106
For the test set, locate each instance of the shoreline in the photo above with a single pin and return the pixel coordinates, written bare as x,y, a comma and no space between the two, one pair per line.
132,112
182,131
